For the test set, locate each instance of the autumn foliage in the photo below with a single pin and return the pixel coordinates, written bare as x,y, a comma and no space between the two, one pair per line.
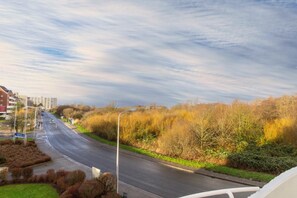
235,134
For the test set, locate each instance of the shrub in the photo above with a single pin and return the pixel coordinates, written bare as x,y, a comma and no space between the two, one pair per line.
27,173
66,195
91,189
71,191
75,177
109,182
179,141
4,142
33,179
42,178
2,159
61,173
274,131
111,195
16,173
62,186
3,174
19,155
275,165
51,174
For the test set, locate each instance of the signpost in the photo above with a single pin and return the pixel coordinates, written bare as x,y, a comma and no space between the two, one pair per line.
19,135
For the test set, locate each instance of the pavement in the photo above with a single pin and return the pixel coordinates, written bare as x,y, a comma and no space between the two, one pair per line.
60,161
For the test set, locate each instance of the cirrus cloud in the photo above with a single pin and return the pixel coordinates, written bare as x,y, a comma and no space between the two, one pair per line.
142,52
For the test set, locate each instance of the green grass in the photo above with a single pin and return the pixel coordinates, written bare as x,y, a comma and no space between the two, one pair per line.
28,190
257,176
28,139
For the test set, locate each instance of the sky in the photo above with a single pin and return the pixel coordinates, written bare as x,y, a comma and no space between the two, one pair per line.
137,52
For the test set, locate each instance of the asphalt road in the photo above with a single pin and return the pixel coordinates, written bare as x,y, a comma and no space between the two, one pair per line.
151,176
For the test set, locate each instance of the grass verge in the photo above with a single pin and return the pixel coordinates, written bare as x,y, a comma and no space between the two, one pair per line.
28,139
257,176
28,190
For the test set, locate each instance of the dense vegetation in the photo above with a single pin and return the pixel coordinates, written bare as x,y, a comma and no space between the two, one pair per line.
260,136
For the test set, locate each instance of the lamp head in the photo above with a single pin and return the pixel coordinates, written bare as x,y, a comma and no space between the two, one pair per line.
132,109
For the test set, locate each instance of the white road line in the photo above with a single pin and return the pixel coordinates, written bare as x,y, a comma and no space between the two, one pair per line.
177,168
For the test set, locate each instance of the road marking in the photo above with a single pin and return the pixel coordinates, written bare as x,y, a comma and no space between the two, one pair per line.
177,168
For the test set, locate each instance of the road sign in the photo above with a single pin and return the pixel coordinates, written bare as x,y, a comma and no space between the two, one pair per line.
96,172
19,135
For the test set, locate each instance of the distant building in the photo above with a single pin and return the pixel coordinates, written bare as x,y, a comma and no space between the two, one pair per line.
8,101
47,103
22,99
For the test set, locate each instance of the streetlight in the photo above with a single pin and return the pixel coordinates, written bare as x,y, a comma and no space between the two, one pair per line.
35,122
35,118
118,145
14,122
26,116
25,127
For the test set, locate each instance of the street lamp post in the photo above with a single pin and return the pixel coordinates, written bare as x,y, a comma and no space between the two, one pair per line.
35,121
14,122
25,127
118,145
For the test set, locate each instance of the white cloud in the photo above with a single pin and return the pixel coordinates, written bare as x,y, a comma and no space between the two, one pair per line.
141,52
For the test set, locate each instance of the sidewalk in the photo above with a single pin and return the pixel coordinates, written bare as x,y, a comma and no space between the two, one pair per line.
60,161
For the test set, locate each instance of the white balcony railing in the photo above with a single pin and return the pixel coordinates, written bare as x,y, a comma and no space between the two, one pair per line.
227,191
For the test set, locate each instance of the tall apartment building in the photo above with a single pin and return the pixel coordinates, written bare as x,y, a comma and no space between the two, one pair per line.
47,103
8,101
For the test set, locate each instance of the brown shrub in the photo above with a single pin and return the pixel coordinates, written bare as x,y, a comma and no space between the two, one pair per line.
19,155
5,142
74,177
66,195
61,173
62,186
41,179
16,173
91,189
109,182
19,142
111,195
27,172
33,179
51,174
71,191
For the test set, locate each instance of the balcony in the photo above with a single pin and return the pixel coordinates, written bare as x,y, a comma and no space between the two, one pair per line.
10,107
